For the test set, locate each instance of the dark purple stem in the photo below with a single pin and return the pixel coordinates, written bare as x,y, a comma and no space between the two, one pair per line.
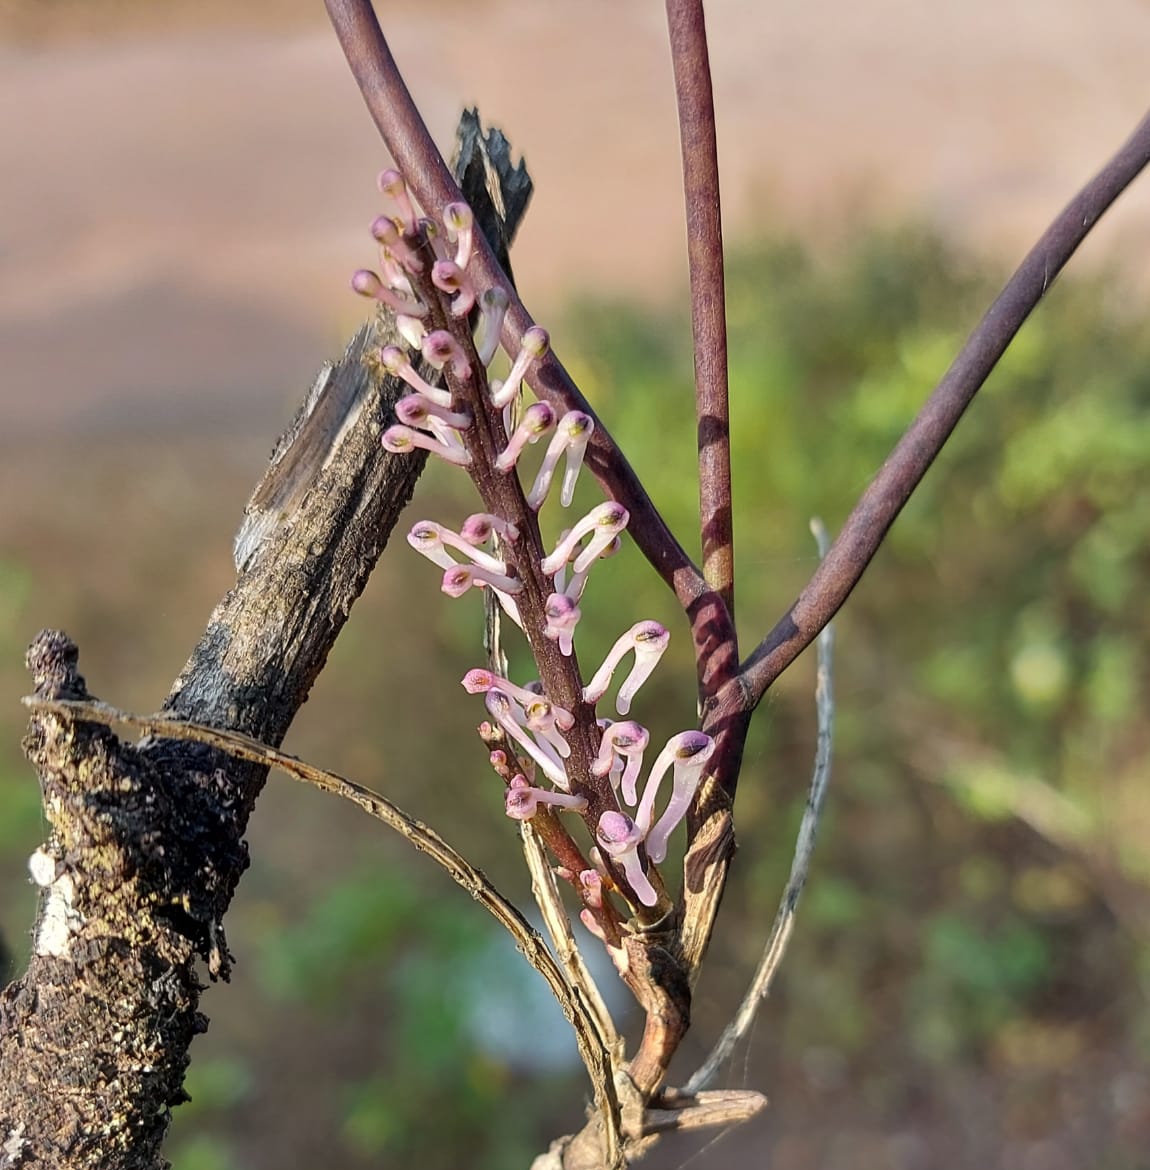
689,57
867,524
419,161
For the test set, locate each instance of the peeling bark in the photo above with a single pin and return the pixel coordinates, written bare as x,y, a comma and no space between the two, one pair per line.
146,846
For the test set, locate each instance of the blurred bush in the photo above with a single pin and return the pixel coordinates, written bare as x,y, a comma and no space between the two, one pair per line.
973,942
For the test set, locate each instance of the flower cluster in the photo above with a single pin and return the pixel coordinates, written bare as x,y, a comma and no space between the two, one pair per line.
567,757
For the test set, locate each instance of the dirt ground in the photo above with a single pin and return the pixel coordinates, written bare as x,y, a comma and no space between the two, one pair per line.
186,187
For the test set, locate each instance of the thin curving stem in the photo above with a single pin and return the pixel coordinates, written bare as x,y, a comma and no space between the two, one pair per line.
419,160
688,34
890,489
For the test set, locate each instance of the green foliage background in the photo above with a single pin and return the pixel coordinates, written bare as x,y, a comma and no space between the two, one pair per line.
972,949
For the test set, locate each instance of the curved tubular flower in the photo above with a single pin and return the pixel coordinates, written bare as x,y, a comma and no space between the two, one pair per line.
689,752
571,436
648,640
522,801
603,522
534,345
479,681
502,710
400,440
391,184
562,615
397,363
416,410
579,428
441,349
459,221
541,719
619,837
433,540
459,578
396,248
492,309
477,528
411,329
538,419
627,740
368,284
449,278
578,581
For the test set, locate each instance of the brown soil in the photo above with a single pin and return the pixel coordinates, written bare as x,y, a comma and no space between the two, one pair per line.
186,187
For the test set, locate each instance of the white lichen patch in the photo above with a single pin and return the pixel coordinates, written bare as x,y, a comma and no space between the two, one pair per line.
42,867
12,1151
59,920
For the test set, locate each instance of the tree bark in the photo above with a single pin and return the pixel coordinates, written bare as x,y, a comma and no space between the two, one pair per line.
146,846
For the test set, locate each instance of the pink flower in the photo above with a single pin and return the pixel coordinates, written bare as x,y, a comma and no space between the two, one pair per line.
492,308
400,440
602,524
441,349
478,681
368,284
562,616
397,363
627,741
478,528
534,345
591,882
392,185
503,711
689,752
448,277
571,437
648,640
459,222
433,540
522,801
459,578
417,410
619,837
537,420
